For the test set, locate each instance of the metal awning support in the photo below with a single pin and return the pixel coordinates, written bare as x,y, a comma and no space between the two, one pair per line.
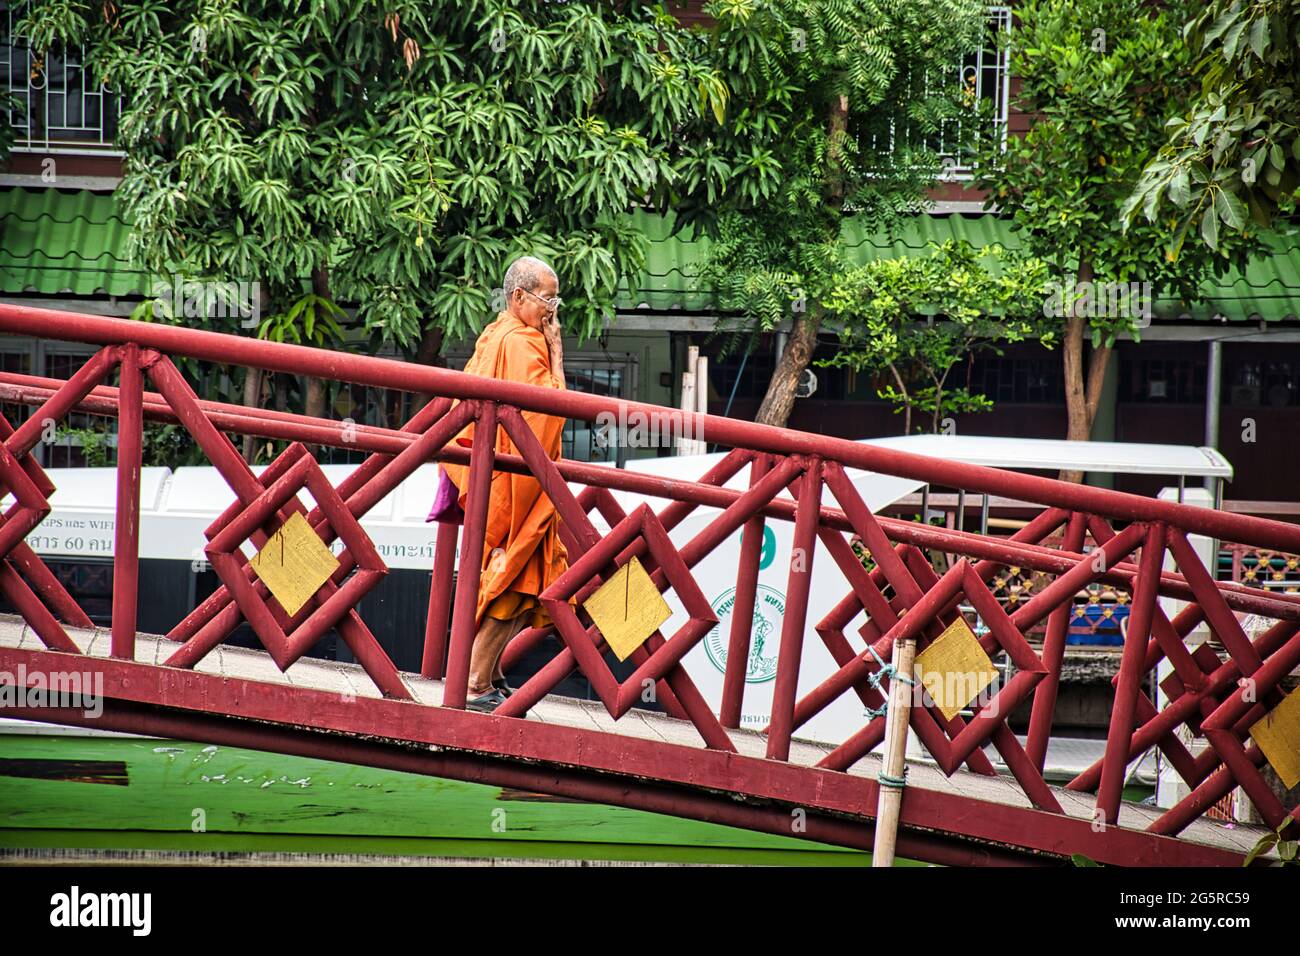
1213,390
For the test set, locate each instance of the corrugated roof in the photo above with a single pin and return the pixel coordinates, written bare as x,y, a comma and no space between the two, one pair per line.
1269,289
55,241
671,277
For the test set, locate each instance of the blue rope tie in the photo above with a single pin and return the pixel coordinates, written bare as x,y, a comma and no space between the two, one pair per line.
893,783
875,679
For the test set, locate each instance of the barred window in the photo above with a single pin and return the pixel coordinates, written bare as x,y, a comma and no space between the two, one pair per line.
985,76
1017,379
51,100
1165,381
1266,383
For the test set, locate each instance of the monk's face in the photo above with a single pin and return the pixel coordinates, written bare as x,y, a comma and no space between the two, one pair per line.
528,307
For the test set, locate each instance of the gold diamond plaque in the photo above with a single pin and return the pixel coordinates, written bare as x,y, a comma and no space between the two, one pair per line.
627,609
294,563
954,669
1278,735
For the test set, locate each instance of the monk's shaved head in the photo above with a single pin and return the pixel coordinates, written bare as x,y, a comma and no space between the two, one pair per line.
526,273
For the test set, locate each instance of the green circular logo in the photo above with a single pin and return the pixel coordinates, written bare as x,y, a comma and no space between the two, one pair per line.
768,551
764,633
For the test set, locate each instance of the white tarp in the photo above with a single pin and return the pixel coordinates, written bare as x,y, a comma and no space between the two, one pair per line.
1052,454
176,507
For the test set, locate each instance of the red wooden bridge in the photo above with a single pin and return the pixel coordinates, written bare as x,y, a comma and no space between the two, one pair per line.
691,760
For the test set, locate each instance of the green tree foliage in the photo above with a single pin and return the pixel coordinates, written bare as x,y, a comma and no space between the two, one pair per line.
1284,842
1101,79
972,301
1232,156
831,102
398,154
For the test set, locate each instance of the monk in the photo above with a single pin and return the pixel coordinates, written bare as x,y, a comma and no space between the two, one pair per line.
522,553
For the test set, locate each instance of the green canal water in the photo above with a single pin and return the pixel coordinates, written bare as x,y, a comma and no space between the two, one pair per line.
67,792
60,792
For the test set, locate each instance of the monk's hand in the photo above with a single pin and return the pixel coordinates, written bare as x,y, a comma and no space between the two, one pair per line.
554,341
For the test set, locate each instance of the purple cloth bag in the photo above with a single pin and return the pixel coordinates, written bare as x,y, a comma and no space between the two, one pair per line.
446,506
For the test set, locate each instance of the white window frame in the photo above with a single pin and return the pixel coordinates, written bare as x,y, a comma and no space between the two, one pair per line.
955,170
16,55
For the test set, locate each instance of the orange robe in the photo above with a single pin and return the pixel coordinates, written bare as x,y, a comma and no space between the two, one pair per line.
521,521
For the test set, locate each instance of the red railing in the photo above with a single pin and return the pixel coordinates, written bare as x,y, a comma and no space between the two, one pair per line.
1219,699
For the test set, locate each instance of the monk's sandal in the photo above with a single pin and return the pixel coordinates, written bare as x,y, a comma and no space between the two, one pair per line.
487,703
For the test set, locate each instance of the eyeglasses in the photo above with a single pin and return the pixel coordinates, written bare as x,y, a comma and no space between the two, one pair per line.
552,303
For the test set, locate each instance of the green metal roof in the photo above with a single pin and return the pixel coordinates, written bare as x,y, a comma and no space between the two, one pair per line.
670,280
1269,289
55,241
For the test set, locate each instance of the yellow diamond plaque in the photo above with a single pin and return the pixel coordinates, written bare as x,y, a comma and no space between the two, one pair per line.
1278,735
954,669
627,609
294,563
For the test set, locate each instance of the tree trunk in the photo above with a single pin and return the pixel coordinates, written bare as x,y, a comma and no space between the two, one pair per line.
1082,389
429,352
315,399
314,388
936,420
907,399
837,129
252,399
1078,413
1098,363
254,379
778,401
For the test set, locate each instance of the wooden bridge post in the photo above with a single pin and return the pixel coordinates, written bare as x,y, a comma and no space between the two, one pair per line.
889,797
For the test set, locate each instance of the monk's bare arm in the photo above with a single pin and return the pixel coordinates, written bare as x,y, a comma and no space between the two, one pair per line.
526,360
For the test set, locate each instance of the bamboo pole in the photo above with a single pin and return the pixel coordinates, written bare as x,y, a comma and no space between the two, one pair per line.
701,400
889,798
686,446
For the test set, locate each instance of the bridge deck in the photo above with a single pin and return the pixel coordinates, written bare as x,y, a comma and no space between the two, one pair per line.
332,676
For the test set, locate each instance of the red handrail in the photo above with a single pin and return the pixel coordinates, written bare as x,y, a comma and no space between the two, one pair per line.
920,603
389,373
